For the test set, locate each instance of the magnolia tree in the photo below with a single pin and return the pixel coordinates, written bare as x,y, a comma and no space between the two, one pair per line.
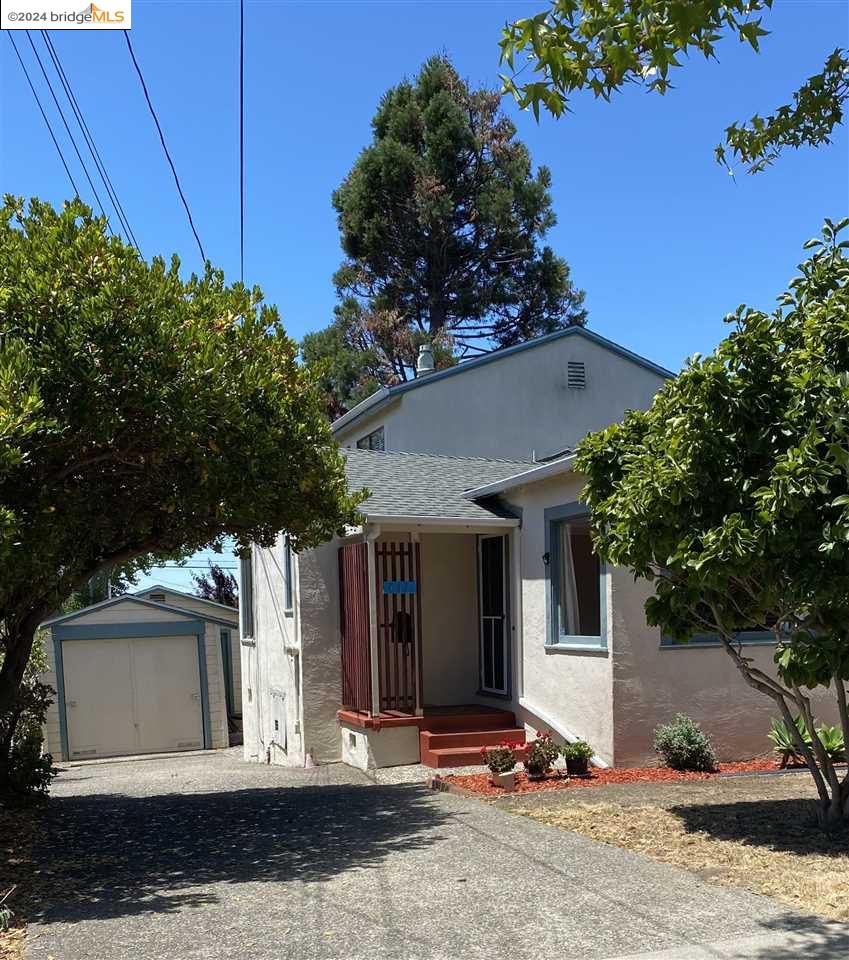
731,496
139,413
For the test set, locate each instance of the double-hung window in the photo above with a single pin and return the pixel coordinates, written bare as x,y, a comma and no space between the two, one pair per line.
575,579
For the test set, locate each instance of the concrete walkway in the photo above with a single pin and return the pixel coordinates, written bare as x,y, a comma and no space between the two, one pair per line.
205,857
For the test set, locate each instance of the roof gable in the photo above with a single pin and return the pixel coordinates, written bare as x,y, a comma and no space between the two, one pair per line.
159,588
384,395
131,599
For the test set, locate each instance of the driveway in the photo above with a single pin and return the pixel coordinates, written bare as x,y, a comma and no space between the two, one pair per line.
206,857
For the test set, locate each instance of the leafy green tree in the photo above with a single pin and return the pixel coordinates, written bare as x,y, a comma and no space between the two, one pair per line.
603,45
442,220
109,583
140,413
731,496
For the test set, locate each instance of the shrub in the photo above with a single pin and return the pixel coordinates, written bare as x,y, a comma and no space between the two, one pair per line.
26,771
542,752
831,739
579,750
684,745
500,759
785,745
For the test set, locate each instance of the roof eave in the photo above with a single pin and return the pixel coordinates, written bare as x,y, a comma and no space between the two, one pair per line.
542,472
386,519
361,408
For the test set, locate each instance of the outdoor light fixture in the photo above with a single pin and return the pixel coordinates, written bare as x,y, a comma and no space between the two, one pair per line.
546,558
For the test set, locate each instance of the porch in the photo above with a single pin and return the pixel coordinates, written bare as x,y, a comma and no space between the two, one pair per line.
427,664
427,595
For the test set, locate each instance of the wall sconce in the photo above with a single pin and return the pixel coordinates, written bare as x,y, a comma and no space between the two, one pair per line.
546,558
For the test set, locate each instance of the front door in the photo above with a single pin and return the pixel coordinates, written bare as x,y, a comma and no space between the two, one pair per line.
492,564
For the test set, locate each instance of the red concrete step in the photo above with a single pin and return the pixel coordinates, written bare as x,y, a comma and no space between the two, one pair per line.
484,719
458,756
470,738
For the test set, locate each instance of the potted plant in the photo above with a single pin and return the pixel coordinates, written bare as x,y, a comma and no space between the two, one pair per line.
541,754
501,761
577,756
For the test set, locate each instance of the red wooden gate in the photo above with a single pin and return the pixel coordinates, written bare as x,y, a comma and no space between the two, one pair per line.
353,602
399,641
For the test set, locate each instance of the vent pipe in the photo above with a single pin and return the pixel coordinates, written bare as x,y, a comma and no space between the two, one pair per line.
424,366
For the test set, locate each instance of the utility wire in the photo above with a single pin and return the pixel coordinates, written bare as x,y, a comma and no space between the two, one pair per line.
242,140
43,114
68,131
89,139
164,144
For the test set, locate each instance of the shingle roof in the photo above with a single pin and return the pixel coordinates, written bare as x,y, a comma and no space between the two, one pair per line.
425,485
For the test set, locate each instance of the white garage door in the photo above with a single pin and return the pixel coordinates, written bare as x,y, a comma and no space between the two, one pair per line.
137,695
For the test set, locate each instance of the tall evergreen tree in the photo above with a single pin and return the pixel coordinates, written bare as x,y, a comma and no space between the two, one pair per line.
442,219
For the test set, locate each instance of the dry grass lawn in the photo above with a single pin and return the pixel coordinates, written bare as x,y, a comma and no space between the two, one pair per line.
755,832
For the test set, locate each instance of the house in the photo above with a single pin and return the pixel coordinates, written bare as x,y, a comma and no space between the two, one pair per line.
469,605
154,671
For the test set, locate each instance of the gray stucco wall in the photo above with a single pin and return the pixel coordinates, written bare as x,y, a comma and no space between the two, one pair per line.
516,406
321,645
652,683
271,709
449,618
571,687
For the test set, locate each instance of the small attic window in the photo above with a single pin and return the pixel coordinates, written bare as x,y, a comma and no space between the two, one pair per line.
576,375
157,597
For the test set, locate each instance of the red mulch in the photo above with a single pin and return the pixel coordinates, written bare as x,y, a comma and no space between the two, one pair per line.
480,783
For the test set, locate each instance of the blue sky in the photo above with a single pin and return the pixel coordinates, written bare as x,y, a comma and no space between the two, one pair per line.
664,242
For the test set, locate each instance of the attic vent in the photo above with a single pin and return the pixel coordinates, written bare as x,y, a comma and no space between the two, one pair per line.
158,597
576,375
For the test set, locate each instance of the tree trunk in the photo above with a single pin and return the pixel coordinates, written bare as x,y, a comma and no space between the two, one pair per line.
18,649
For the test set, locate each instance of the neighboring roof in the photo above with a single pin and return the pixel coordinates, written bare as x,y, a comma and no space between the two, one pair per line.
130,598
425,487
385,394
159,588
541,471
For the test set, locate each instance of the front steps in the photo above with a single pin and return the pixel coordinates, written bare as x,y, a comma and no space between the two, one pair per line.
456,740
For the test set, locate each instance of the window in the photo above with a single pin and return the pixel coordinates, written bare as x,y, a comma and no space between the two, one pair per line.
287,575
246,594
576,580
372,441
746,637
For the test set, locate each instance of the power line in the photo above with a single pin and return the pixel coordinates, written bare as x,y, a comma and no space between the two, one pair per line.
43,114
68,131
89,139
242,140
164,144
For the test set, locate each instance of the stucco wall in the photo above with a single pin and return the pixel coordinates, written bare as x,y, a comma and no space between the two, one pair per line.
271,713
571,687
514,406
651,684
449,618
321,661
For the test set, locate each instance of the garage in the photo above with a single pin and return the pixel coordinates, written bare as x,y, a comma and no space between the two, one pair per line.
144,697
134,676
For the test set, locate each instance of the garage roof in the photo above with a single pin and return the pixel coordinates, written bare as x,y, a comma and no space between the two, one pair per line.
130,599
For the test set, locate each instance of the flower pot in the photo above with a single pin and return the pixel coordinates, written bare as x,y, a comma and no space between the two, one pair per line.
577,766
535,773
507,781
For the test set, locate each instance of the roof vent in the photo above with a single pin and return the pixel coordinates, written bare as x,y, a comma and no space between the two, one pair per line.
576,375
157,597
425,362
